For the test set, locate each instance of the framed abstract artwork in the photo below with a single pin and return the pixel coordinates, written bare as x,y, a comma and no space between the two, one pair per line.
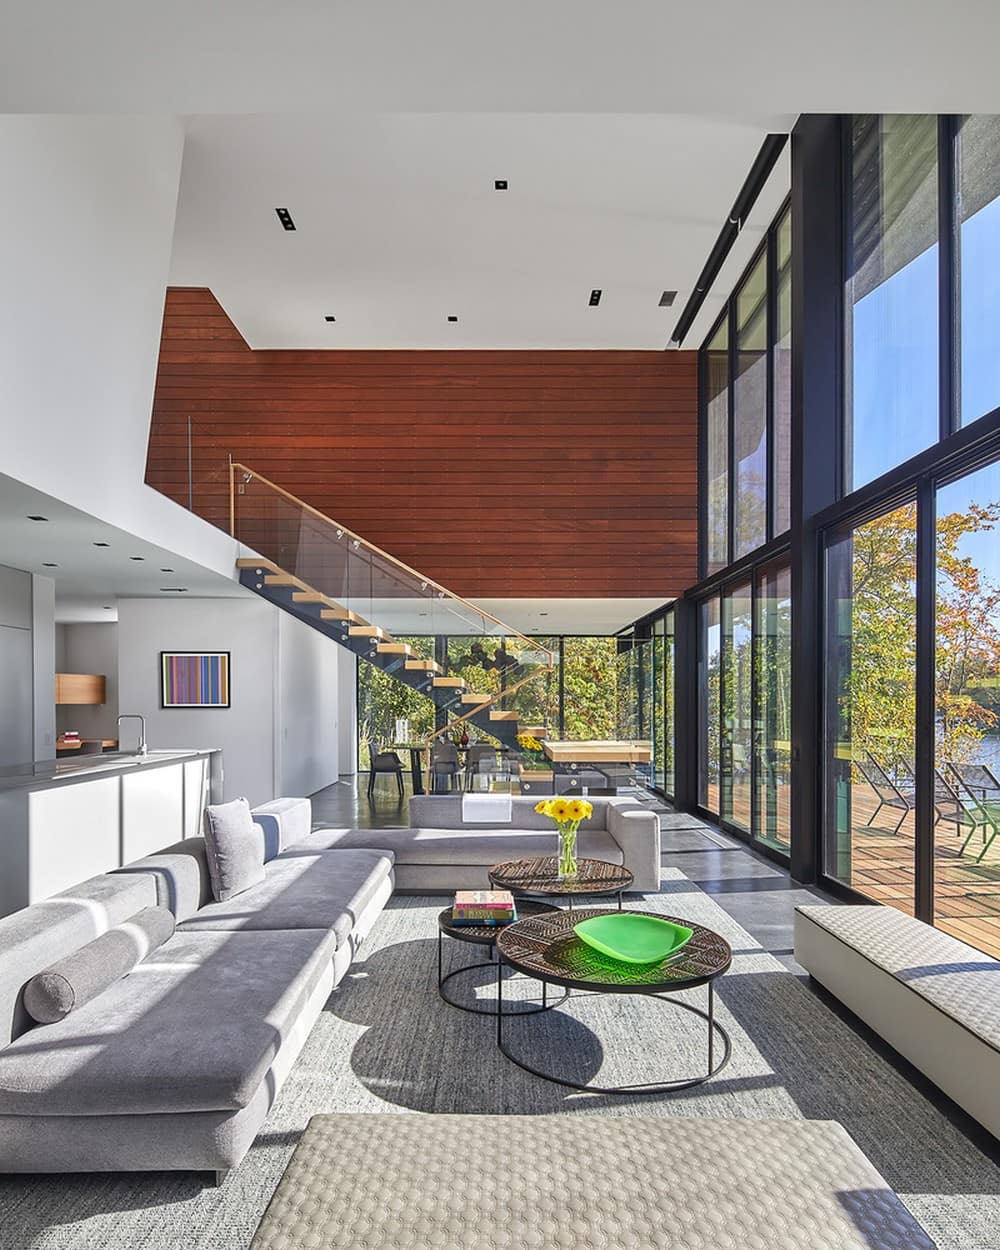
194,679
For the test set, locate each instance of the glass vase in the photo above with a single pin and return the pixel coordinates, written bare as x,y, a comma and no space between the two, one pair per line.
567,850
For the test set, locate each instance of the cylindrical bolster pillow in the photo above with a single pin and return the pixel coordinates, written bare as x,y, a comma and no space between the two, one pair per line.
73,981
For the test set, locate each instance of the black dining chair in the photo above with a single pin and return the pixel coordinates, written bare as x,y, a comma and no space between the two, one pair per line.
445,764
385,762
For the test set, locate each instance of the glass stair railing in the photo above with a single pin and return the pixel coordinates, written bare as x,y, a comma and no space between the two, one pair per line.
365,599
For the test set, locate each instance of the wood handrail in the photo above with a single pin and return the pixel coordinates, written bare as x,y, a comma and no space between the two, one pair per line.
428,581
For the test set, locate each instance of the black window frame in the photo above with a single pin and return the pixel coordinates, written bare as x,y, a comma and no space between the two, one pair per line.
768,249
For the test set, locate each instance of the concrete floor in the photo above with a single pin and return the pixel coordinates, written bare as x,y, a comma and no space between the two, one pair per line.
757,893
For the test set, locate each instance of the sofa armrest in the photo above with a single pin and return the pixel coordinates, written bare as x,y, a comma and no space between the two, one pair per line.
286,822
637,832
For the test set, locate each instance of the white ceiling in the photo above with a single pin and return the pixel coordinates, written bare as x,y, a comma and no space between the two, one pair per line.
322,56
398,225
90,580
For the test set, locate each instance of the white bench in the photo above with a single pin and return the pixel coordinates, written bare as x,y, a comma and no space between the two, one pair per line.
932,997
583,1181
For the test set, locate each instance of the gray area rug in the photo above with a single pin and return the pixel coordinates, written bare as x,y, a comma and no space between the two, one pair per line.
387,1043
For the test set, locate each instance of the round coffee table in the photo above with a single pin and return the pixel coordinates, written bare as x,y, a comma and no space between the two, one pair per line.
545,947
540,876
485,935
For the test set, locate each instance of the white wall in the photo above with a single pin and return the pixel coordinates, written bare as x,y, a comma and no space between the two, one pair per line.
307,725
245,730
347,698
81,306
280,736
43,663
91,647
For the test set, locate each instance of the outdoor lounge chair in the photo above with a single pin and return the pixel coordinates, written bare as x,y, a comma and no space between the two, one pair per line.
888,793
983,812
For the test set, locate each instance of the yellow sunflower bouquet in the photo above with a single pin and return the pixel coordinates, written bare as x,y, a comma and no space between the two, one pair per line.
568,815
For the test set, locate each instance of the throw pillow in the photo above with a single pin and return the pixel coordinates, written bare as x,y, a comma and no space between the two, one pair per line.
55,992
235,846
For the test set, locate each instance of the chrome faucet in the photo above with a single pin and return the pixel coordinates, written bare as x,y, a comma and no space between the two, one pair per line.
141,748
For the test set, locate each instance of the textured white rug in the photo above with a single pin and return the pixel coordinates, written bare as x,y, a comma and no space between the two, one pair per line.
387,1042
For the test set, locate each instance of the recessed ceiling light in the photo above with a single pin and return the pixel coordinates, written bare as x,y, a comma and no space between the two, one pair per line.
176,590
102,544
543,613
667,299
499,184
166,570
329,318
595,297
38,518
107,607
47,565
285,217
452,318
137,557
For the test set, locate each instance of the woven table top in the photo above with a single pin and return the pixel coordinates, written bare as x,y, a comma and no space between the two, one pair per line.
546,948
540,875
488,933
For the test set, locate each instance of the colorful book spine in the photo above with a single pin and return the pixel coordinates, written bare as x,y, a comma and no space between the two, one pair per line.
495,922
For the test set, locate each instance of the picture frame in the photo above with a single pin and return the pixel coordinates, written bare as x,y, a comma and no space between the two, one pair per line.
195,679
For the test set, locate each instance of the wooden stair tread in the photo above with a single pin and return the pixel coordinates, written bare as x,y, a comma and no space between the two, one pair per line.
394,648
284,579
535,731
471,697
423,666
341,614
245,562
369,631
503,715
451,683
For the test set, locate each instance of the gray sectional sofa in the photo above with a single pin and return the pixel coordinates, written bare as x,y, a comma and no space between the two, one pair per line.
443,851
176,1064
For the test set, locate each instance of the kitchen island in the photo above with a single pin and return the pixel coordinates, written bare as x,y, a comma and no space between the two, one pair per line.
62,821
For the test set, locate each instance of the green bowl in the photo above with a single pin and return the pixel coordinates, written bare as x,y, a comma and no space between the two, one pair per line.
631,938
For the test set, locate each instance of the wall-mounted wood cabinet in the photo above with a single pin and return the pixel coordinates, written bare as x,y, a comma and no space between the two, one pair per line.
79,688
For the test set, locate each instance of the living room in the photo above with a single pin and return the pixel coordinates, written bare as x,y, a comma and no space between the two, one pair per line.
499,628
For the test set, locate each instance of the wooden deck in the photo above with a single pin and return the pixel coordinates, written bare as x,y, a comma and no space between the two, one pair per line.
966,893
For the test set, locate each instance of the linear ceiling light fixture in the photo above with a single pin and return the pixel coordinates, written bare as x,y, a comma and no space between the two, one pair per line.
285,217
452,318
499,184
329,317
760,171
595,297
38,518
667,299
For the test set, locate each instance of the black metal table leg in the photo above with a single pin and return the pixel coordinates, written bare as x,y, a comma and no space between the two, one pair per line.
711,1027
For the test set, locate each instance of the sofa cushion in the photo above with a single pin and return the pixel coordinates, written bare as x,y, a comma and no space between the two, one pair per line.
444,811
475,845
194,1027
82,975
235,847
180,872
284,822
36,936
322,891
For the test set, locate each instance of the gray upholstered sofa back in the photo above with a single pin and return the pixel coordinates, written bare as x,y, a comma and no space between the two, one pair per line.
35,937
444,811
181,876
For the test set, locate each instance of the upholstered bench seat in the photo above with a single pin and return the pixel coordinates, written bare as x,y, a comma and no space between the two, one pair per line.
582,1182
128,1052
932,997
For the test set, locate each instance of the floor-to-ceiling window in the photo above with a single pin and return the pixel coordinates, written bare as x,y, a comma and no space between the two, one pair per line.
977,185
891,401
709,708
870,723
772,704
737,709
745,390
911,800
663,727
966,861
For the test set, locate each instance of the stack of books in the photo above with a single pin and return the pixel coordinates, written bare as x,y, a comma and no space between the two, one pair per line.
476,907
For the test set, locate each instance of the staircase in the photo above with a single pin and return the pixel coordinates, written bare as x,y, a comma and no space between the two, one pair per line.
346,588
